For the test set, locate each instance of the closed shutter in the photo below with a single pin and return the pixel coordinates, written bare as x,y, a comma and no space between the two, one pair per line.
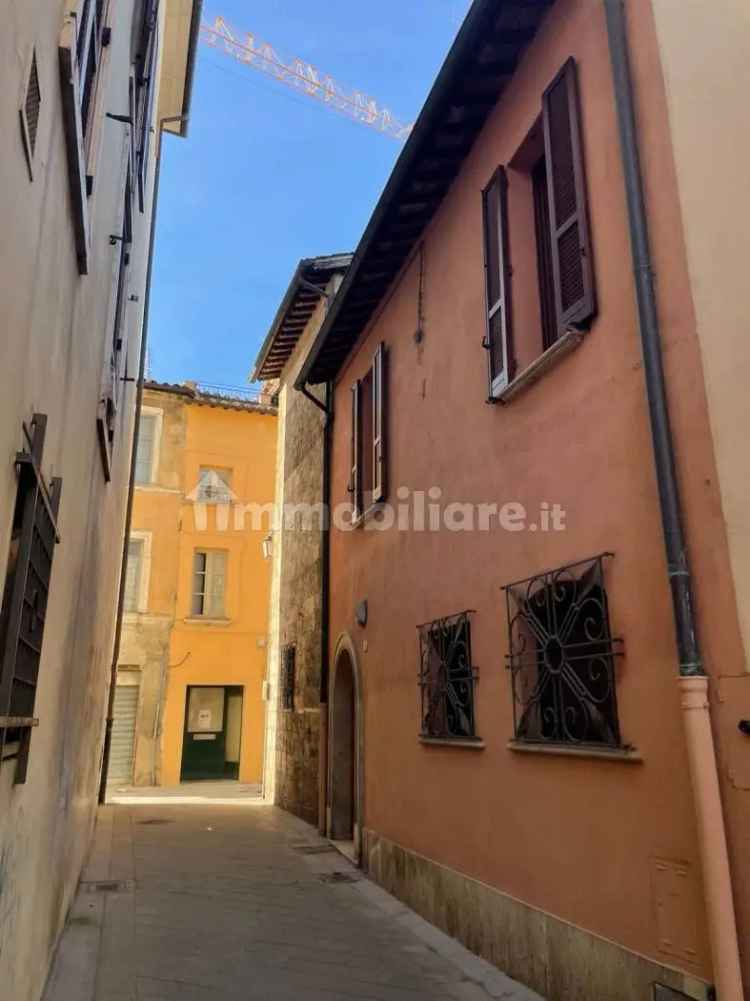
122,750
498,340
571,246
215,581
355,482
379,435
145,451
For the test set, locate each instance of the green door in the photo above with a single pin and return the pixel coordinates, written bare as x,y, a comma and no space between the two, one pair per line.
209,743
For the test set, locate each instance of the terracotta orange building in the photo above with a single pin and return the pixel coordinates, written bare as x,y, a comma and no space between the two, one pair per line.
535,662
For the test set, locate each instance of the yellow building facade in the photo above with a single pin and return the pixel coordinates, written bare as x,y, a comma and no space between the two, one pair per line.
189,698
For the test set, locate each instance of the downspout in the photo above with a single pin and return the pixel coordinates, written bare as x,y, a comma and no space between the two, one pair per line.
134,448
325,615
693,681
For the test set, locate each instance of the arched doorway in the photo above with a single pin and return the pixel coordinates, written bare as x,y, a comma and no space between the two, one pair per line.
344,753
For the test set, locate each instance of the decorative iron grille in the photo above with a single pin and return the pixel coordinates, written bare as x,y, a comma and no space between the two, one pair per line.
447,678
24,604
288,676
562,656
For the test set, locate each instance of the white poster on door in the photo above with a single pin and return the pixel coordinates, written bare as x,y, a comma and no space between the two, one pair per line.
204,719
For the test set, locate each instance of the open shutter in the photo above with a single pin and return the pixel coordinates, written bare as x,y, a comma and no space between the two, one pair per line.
71,42
498,341
355,481
571,245
379,442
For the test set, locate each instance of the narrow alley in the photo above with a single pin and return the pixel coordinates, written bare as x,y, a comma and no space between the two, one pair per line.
201,903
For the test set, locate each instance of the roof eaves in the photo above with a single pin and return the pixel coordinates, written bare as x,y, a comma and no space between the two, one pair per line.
450,77
326,266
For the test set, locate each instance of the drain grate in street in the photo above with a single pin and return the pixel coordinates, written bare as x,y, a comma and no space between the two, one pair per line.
339,877
313,849
106,886
155,820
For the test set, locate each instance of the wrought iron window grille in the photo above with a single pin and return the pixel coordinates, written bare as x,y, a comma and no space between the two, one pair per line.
288,676
562,657
447,678
34,536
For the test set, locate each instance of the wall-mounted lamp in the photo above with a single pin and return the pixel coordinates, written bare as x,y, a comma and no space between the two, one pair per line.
267,547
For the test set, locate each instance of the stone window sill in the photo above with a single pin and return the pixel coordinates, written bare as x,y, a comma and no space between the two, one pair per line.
205,620
628,755
547,360
472,745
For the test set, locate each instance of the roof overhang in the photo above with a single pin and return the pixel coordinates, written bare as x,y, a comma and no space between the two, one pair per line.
306,289
182,23
476,71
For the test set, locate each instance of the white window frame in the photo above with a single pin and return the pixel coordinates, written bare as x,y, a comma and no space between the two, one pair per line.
218,471
144,577
208,575
158,414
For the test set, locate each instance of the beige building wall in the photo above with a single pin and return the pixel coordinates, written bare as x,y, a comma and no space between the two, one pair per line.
56,334
705,61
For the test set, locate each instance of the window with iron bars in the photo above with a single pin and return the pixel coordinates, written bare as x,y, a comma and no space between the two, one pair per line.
562,657
23,612
447,679
288,675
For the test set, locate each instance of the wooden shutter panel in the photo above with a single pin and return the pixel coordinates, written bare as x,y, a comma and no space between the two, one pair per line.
498,339
571,245
379,442
355,482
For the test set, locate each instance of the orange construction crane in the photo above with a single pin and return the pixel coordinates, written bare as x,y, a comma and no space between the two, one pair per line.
304,78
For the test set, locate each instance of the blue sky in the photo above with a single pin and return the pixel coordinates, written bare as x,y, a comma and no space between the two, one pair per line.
267,176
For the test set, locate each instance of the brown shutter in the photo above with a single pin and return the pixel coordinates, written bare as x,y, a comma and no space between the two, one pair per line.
355,482
379,443
498,340
571,245
74,146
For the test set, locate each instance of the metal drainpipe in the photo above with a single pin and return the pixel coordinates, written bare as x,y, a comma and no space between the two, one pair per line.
171,120
324,615
693,681
327,409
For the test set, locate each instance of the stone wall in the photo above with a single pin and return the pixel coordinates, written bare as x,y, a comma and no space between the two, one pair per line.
298,730
559,960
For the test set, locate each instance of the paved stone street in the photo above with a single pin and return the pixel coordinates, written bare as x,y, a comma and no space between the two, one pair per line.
222,903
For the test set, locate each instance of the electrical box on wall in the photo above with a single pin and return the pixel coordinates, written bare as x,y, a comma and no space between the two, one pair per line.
266,691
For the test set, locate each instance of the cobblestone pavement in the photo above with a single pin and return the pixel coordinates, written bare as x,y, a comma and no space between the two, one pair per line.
236,903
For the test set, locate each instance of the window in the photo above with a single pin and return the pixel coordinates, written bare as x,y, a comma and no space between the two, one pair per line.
145,70
133,575
209,576
447,679
542,191
214,485
25,594
562,657
83,37
113,379
29,113
288,676
367,483
146,450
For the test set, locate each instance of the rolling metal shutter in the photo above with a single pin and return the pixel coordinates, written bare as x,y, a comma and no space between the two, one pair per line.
123,735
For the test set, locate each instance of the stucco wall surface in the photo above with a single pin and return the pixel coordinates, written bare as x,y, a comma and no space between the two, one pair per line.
56,333
583,840
704,52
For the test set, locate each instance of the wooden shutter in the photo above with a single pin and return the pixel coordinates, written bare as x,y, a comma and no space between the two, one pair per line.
355,481
379,440
70,41
498,341
571,246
